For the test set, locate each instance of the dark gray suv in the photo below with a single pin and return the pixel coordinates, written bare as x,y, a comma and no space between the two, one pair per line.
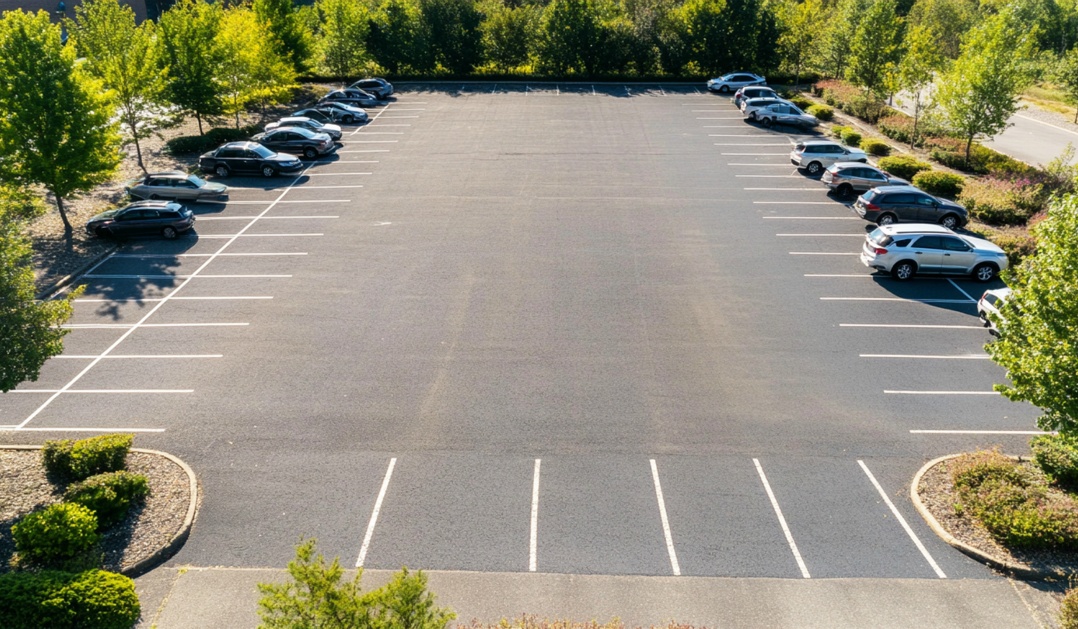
890,204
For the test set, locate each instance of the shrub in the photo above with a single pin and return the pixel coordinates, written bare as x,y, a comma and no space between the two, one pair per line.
851,138
108,495
939,183
872,146
800,101
1068,610
975,468
190,144
57,533
1017,246
1057,456
838,130
904,166
93,599
77,460
898,127
951,152
822,112
1002,202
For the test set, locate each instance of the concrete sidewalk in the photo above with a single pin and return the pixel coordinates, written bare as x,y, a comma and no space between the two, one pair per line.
181,598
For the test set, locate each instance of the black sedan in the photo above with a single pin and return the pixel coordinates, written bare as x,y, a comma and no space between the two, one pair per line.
247,157
296,140
143,217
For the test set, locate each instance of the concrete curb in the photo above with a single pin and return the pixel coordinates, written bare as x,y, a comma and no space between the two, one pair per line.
1008,568
55,287
178,540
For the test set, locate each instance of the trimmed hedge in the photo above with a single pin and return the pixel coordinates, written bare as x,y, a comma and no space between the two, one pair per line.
109,495
822,112
78,460
1057,456
904,166
58,533
851,138
801,102
191,144
872,146
93,599
939,183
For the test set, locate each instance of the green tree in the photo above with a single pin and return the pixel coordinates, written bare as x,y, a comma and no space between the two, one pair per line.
837,39
509,33
1066,74
1039,323
451,29
946,20
30,329
57,129
876,48
342,41
395,38
917,71
123,56
804,24
188,39
572,37
979,93
291,38
249,69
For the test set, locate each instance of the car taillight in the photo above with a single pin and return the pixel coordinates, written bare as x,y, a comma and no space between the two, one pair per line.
879,251
870,206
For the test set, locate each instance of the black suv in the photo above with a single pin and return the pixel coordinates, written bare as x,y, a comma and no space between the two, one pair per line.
167,218
890,204
296,140
247,157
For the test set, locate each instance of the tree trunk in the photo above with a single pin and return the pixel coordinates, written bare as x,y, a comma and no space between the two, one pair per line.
68,231
198,117
1076,116
138,155
969,146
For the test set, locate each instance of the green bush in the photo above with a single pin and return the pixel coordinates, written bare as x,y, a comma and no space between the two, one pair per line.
1068,610
898,127
822,112
951,152
108,495
1017,246
1002,202
1057,456
904,166
77,460
851,138
838,130
191,144
93,599
872,146
800,101
57,533
939,183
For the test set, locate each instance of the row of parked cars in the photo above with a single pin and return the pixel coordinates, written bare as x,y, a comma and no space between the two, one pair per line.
311,132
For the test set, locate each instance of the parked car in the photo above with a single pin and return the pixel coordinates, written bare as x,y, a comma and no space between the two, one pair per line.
323,115
814,156
247,157
296,140
350,97
753,91
890,204
167,218
845,178
906,250
991,302
330,129
380,87
345,113
175,185
751,106
732,82
786,114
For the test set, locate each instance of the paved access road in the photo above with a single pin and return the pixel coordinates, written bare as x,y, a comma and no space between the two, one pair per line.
570,329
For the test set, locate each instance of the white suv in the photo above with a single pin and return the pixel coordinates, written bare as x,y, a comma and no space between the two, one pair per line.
814,156
734,81
989,306
903,250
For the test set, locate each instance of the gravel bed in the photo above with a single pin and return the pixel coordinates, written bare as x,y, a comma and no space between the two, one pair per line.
938,495
147,528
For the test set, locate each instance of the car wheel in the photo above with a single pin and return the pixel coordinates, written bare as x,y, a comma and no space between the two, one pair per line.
814,168
310,153
767,122
267,171
845,190
724,89
903,270
221,170
169,233
985,272
887,219
348,119
950,221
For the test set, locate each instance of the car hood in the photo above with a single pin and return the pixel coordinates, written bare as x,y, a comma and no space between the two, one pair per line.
983,245
331,127
218,188
951,205
104,216
283,157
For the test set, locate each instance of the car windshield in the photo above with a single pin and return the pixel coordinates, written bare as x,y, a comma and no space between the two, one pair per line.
880,239
198,181
262,151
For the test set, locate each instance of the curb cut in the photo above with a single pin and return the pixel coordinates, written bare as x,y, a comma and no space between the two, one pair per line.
1008,568
55,287
164,553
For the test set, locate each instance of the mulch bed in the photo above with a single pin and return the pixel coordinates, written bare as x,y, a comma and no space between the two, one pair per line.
147,528
938,495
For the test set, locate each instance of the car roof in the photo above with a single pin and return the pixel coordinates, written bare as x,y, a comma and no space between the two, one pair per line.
242,144
905,189
149,204
818,142
169,173
295,119
915,228
859,165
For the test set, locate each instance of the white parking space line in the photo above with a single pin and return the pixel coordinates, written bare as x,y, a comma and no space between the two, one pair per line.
177,276
912,301
265,218
782,520
181,298
760,155
120,326
398,117
374,513
102,391
200,255
822,236
326,188
533,543
358,151
941,392
811,218
721,126
265,202
857,275
408,108
666,522
758,165
351,161
981,432
140,356
929,356
335,174
819,189
383,133
902,521
770,176
373,141
403,124
752,144
219,236
824,253
39,429
910,325
959,288
845,218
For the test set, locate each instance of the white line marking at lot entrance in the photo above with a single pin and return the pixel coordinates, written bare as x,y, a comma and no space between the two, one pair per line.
782,520
981,432
811,218
845,218
912,301
929,356
824,253
968,296
941,392
666,522
902,521
374,514
823,236
120,326
36,429
533,543
910,325
265,218
139,356
216,236
102,391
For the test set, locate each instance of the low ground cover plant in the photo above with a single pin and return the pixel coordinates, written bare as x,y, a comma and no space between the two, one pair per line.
851,138
109,495
1016,242
951,152
67,460
93,599
822,112
998,201
904,166
1057,456
1068,610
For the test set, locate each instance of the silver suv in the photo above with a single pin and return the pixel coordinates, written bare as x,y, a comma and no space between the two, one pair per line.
788,114
814,156
845,178
907,249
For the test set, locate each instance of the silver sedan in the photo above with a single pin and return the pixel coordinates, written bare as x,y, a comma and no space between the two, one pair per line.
175,185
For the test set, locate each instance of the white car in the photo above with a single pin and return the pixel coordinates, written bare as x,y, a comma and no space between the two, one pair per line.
991,302
813,156
734,81
751,106
906,249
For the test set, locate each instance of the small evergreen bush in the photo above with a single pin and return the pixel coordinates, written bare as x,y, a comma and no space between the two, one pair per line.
822,112
851,138
58,533
93,599
801,102
904,166
68,460
1057,456
872,146
108,495
939,183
